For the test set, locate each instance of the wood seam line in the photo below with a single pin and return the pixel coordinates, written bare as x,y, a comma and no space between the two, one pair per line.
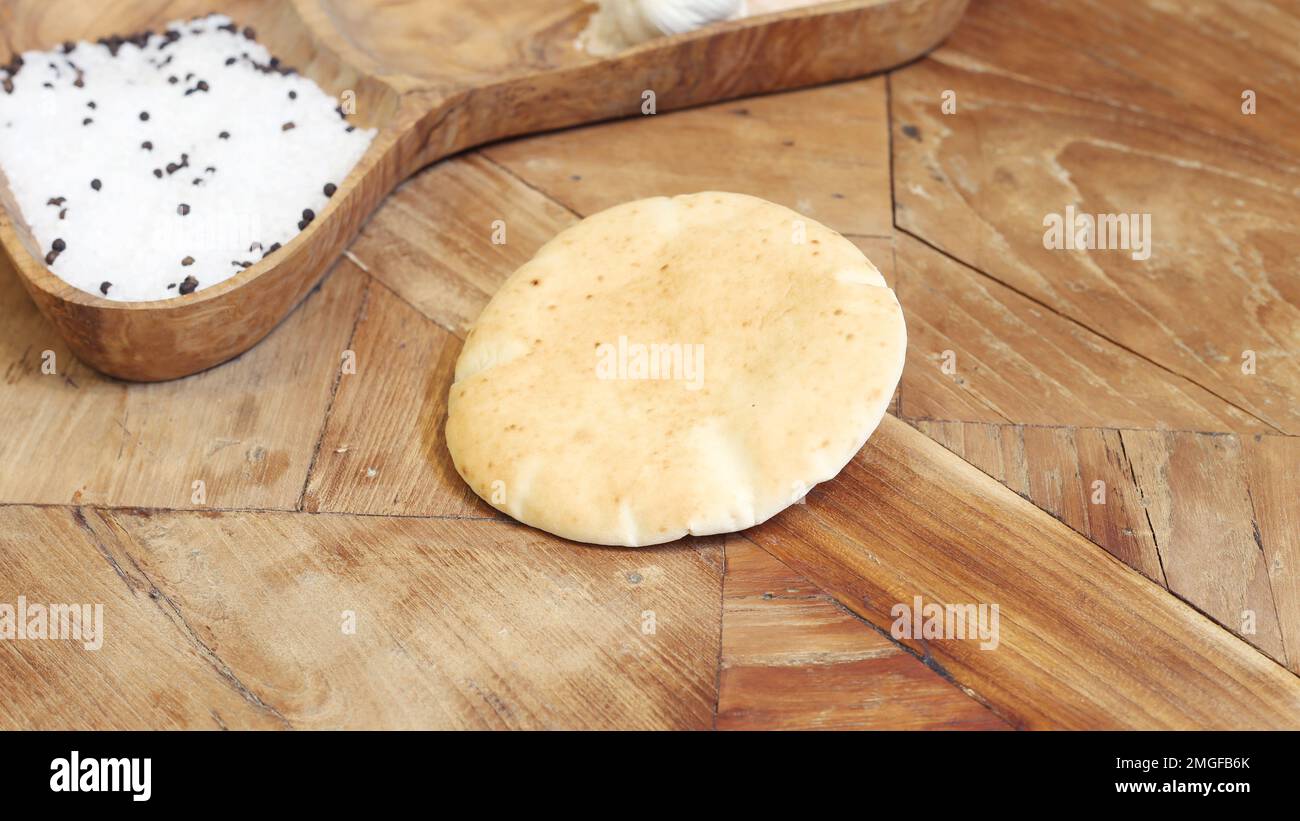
334,389
893,208
459,334
1082,496
913,419
722,626
927,659
143,510
224,670
966,392
1155,539
177,618
1105,555
79,518
1146,510
1215,622
1166,589
893,244
530,186
864,236
1259,543
1267,150
1079,324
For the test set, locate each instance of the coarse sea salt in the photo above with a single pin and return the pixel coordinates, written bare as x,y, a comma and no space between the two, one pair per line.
160,164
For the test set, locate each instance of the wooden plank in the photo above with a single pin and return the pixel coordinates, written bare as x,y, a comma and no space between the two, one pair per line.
383,449
458,624
1018,362
1179,77
772,616
1056,469
246,430
998,450
793,658
1273,474
1083,642
1119,521
1040,125
151,670
1203,515
823,152
1199,504
1055,484
435,241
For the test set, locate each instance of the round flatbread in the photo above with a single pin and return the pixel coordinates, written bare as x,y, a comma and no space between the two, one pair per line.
673,366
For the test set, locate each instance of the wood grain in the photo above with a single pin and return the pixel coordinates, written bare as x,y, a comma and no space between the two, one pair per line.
457,625
1272,476
1201,513
1120,522
151,672
792,658
1192,75
247,430
824,152
1186,510
383,450
1017,361
1053,110
1084,640
1056,469
434,241
1057,485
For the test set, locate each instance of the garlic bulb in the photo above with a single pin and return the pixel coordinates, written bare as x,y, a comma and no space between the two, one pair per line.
621,24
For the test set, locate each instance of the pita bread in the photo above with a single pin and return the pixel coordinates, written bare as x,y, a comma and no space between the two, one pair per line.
780,348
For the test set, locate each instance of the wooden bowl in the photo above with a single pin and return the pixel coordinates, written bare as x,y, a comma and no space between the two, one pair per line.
433,79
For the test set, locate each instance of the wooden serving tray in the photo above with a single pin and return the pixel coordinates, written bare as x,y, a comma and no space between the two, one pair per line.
434,79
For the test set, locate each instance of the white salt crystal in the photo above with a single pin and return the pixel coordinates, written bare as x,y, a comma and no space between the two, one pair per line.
131,232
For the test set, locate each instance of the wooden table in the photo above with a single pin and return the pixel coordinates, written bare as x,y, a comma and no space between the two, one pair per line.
280,543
